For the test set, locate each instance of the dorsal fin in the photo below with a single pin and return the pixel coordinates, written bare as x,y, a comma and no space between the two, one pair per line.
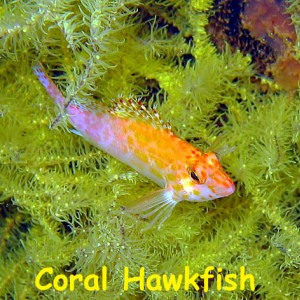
134,109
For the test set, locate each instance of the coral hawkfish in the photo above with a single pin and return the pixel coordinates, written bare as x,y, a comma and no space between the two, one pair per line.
139,138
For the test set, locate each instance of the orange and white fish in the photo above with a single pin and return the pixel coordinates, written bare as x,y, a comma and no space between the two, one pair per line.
139,138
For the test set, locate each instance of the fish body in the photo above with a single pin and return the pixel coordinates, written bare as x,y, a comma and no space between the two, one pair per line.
139,138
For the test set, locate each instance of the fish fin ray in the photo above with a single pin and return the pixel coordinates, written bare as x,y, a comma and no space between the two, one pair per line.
158,204
134,109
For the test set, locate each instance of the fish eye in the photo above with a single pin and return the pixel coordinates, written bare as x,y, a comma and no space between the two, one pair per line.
194,176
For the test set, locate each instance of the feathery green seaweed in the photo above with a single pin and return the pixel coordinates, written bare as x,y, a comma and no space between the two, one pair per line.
61,198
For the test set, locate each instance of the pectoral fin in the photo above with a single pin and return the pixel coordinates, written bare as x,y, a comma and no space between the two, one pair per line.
159,203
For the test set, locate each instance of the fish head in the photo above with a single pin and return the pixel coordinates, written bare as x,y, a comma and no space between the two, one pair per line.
205,179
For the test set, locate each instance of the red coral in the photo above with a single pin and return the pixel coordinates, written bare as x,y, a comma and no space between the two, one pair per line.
268,22
263,29
286,71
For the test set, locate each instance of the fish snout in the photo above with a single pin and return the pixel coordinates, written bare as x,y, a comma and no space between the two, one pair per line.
226,190
223,185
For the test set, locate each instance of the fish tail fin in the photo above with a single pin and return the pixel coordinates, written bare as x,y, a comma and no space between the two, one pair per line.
159,204
49,85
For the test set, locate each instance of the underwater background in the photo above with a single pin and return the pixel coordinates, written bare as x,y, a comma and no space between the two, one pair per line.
225,81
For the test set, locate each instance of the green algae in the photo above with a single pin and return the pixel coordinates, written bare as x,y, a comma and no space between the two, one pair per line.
61,197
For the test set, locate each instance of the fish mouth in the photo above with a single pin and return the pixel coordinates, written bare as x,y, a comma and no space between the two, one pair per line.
225,191
231,190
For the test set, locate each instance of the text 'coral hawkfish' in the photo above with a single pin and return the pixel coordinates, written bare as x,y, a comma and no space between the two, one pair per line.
138,137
